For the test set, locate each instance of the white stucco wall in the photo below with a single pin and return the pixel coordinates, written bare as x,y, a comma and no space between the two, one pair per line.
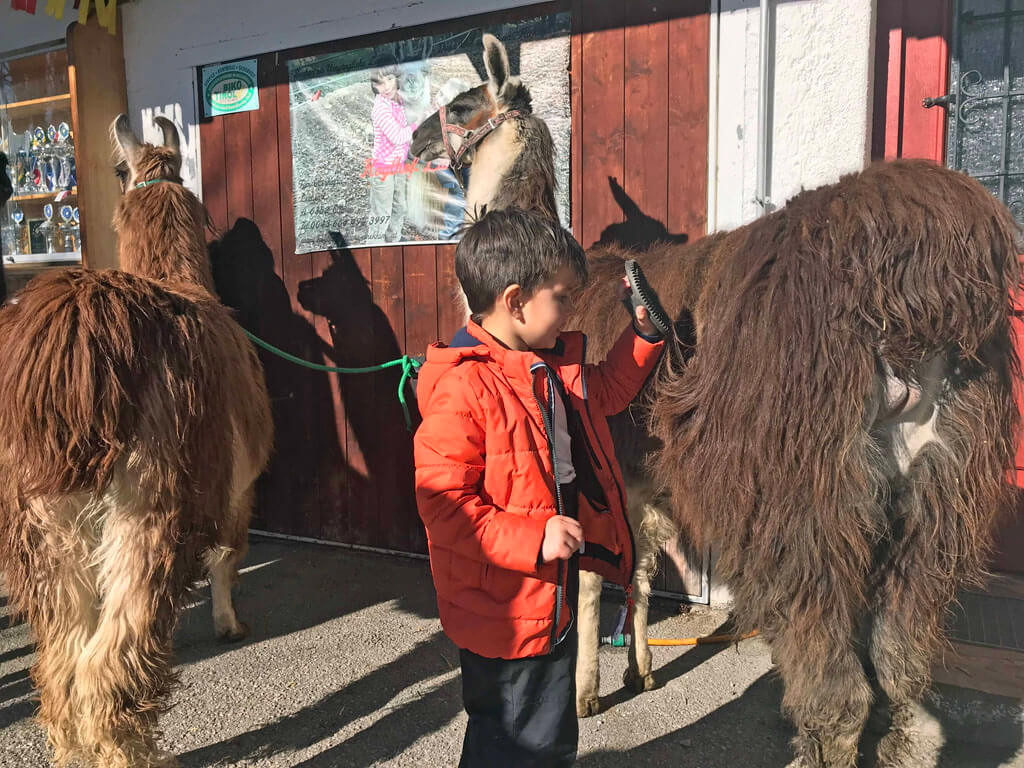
821,105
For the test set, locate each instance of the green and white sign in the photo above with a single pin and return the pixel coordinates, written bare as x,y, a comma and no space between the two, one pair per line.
230,88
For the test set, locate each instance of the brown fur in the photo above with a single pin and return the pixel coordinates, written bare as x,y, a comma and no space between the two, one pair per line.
830,549
137,420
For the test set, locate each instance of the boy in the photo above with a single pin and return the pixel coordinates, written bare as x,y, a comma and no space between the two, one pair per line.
517,483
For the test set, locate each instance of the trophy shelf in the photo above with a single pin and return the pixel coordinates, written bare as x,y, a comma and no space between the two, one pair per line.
36,106
73,192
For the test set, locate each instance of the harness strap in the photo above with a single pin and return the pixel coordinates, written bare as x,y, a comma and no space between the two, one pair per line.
471,137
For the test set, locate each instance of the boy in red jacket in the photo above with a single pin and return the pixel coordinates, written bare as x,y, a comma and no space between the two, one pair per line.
517,482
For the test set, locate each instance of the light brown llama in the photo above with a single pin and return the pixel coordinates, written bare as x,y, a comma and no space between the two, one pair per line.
135,422
513,166
843,429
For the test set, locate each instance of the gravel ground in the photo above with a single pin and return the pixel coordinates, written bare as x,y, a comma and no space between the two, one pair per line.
347,666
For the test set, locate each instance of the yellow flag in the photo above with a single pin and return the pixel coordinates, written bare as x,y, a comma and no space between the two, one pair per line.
106,13
55,8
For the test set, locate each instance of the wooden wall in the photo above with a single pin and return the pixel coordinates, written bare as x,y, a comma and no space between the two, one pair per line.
342,469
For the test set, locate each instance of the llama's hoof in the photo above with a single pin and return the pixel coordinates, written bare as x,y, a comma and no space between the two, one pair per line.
587,706
638,683
895,749
233,634
163,759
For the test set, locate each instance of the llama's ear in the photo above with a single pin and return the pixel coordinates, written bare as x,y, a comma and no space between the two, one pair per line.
130,146
170,131
495,61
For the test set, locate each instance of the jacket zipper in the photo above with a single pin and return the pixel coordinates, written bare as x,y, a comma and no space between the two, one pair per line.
546,417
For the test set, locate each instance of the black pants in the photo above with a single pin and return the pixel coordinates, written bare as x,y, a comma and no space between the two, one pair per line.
522,712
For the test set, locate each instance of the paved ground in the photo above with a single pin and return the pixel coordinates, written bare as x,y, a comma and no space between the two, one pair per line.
347,666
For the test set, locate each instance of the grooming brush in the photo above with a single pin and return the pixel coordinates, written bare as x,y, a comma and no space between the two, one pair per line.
642,295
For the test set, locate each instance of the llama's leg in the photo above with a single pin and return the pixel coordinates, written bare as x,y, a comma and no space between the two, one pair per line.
49,576
62,630
827,695
588,671
638,676
651,530
222,566
902,669
123,676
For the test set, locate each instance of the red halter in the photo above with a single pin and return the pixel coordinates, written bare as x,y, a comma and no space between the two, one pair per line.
470,137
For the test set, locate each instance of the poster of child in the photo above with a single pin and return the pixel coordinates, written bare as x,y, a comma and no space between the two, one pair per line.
354,112
391,138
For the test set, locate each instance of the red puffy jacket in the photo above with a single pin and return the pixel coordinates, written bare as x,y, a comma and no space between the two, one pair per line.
485,482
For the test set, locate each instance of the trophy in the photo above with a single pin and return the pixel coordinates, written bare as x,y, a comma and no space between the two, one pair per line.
69,228
64,151
17,216
51,167
8,239
37,170
46,229
76,230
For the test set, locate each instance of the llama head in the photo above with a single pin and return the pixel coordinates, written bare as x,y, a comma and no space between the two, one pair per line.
139,162
473,108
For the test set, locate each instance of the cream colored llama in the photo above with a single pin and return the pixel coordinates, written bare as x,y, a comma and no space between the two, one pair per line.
135,422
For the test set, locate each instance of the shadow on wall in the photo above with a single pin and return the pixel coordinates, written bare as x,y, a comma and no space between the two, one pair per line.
342,465
638,230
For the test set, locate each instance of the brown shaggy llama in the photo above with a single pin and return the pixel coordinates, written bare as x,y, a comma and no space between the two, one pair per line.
135,422
843,430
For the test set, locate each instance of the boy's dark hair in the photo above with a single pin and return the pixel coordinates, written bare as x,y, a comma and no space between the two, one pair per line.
513,247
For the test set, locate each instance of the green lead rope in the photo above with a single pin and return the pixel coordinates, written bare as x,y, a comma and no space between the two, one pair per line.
409,367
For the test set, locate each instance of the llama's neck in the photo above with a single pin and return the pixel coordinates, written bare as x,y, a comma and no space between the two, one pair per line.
514,168
161,235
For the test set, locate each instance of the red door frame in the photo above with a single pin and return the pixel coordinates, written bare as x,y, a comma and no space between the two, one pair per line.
912,53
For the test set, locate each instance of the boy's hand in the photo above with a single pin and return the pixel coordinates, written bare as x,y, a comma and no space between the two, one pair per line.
641,318
562,537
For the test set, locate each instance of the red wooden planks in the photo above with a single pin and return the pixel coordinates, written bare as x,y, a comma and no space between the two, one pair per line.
602,114
420,293
645,177
215,195
238,166
576,127
450,314
687,103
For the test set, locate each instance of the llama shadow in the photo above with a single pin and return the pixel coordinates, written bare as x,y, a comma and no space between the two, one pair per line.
956,710
379,442
638,231
307,455
712,740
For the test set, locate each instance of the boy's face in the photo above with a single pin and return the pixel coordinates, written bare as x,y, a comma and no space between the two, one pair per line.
547,309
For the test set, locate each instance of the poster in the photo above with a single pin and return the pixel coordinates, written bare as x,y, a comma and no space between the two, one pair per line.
352,115
230,88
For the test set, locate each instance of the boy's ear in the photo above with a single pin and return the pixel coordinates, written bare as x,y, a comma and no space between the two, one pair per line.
512,300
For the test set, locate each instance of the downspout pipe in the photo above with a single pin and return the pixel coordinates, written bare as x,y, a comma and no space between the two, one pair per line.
764,72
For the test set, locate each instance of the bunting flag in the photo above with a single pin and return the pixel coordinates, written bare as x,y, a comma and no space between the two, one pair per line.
106,10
